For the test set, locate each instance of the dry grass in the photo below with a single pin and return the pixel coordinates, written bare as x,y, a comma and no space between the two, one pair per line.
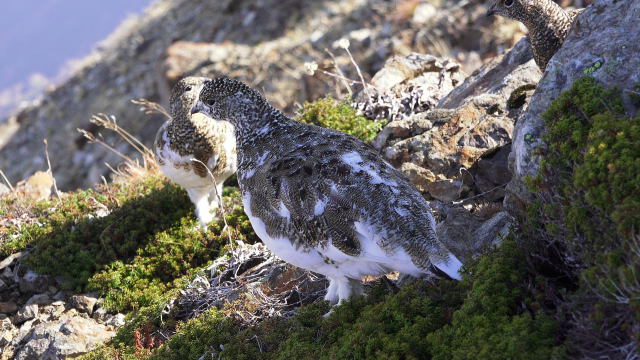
131,168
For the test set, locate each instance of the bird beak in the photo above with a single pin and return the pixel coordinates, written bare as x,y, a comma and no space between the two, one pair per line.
198,107
492,10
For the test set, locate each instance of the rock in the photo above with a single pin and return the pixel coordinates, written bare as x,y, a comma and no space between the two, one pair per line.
491,173
4,189
116,320
33,283
470,121
7,273
419,176
466,233
8,307
40,299
9,260
83,303
5,324
28,312
3,285
54,310
599,45
66,338
445,190
408,85
100,314
500,76
37,187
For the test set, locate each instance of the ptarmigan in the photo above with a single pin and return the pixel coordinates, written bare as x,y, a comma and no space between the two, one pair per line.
547,22
323,200
189,137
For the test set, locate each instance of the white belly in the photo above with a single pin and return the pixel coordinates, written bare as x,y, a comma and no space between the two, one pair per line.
328,260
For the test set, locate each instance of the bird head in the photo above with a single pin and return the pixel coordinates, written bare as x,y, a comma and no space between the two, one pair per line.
513,9
228,99
185,94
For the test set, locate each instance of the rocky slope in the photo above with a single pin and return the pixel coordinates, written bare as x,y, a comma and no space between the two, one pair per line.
263,42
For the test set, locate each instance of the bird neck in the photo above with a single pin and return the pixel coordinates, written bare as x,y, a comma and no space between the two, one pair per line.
545,17
257,122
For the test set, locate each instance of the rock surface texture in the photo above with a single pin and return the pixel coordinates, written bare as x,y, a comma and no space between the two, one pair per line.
40,322
613,62
437,148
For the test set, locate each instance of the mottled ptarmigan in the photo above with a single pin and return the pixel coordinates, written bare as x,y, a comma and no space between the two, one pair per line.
547,22
187,141
323,200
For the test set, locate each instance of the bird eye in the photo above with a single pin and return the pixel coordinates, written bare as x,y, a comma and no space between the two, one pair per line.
508,3
210,102
188,88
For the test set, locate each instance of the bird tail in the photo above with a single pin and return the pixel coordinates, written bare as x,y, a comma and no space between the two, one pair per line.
450,268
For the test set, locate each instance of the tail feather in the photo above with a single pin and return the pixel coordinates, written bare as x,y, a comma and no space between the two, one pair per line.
451,267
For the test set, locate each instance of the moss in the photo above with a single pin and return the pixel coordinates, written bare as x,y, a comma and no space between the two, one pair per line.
131,242
492,324
519,96
338,115
591,171
483,316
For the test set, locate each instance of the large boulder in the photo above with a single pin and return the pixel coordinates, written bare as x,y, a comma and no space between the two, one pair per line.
604,44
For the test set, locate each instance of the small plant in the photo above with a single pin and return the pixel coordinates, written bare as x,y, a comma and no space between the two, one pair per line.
338,115
589,209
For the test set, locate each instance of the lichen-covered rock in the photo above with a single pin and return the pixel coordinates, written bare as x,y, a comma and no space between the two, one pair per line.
603,43
410,84
472,121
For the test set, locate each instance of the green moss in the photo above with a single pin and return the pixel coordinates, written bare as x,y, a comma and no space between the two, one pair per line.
131,242
491,324
483,316
592,171
338,115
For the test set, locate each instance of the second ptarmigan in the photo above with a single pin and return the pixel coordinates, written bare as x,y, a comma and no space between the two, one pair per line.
323,200
186,143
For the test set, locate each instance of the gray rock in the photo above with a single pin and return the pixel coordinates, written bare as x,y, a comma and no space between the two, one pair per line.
65,338
32,283
40,299
470,121
3,285
466,233
600,35
28,312
8,307
408,85
9,260
84,303
116,320
100,314
445,190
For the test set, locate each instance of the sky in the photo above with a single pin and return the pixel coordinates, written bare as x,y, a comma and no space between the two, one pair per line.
40,36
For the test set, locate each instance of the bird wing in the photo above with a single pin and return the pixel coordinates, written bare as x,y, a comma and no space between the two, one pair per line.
317,193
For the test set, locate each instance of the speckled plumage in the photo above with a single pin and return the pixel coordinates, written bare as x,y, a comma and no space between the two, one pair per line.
186,137
323,200
547,22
